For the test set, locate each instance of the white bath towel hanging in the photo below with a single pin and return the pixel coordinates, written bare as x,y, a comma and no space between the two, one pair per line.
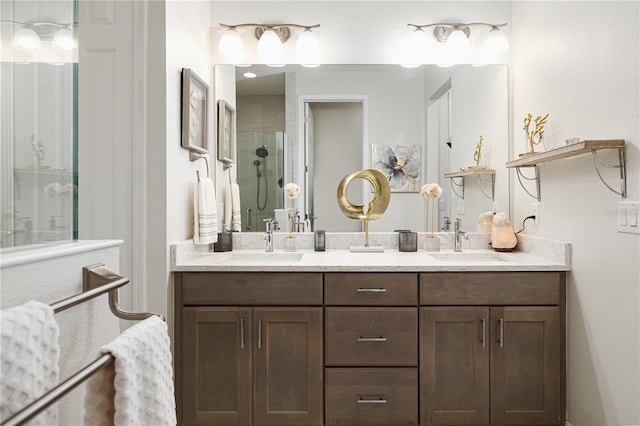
137,389
29,356
236,216
205,217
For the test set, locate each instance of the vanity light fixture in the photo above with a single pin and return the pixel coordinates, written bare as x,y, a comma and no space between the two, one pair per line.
454,40
30,35
271,38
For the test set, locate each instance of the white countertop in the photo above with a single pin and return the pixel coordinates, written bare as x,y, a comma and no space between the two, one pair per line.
187,257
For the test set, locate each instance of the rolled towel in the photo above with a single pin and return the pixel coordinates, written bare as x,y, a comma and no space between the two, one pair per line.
228,208
236,216
205,217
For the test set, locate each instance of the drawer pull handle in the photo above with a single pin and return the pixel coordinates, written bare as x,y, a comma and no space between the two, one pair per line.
371,401
371,290
371,339
484,332
241,333
501,337
260,334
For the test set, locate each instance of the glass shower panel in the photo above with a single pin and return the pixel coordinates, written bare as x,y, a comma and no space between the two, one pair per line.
260,176
38,122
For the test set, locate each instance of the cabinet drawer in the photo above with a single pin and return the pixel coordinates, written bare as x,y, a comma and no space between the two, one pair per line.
491,288
371,396
371,289
251,288
371,336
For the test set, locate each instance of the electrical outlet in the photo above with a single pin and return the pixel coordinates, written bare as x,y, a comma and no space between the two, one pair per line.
535,211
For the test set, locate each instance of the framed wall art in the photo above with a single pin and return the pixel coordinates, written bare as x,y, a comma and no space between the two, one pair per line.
194,112
226,132
401,164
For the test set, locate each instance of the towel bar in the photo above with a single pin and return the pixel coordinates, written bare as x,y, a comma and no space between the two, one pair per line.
97,280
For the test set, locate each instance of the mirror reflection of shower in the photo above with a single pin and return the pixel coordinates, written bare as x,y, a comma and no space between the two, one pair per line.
259,169
261,152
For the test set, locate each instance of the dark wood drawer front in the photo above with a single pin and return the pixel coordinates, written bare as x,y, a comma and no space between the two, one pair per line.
491,288
371,396
371,336
371,289
252,288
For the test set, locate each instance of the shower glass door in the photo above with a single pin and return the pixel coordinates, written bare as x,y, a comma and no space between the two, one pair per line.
38,122
260,176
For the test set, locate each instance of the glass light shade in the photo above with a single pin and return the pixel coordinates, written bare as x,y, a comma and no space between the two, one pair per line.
415,49
307,46
457,43
230,43
27,39
270,46
63,40
496,42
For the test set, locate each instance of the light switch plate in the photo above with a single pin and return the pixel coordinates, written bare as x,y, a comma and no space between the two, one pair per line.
629,217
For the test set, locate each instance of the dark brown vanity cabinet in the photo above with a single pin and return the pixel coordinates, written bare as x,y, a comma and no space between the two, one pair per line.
249,349
375,348
492,348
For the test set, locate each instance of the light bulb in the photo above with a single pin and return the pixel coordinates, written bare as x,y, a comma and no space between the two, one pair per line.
270,46
415,49
230,43
307,47
496,42
63,40
457,42
27,39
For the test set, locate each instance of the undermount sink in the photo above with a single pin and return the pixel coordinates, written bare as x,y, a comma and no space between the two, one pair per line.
472,257
274,256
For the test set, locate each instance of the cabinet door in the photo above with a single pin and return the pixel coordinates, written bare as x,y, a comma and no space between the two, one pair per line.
525,366
216,366
287,366
454,347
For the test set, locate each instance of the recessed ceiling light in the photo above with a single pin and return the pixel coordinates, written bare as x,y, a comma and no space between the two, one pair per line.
249,75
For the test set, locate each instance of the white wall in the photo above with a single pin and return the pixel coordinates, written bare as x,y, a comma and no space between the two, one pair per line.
187,46
84,328
579,61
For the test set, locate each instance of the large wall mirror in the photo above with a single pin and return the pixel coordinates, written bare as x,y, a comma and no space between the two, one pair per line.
312,126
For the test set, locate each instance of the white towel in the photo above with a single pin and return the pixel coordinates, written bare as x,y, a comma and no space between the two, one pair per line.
30,354
236,221
140,391
228,209
205,217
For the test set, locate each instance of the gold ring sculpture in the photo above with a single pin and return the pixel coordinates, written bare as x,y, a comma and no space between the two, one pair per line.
375,208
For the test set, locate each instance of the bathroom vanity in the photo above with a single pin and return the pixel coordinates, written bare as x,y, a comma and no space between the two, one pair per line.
341,338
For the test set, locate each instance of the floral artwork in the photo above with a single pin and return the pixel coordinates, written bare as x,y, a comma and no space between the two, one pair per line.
400,164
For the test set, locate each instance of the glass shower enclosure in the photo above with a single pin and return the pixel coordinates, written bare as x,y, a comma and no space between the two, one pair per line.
38,122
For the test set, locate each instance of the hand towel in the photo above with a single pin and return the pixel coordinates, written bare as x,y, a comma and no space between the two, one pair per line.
205,217
30,355
236,216
137,388
228,209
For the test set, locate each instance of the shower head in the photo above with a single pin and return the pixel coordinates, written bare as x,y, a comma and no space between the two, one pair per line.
262,151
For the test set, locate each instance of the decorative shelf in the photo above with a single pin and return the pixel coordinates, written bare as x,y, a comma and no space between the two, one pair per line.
582,147
472,172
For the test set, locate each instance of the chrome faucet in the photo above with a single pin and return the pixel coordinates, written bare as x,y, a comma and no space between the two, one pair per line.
458,235
268,234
